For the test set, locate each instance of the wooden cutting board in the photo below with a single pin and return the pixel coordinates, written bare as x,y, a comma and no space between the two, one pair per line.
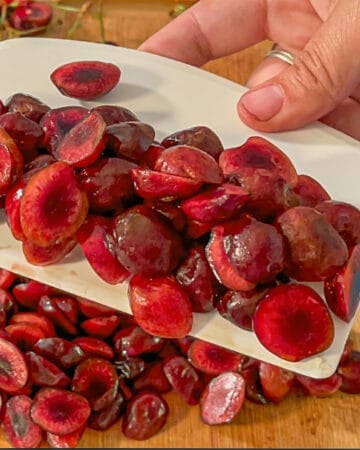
298,421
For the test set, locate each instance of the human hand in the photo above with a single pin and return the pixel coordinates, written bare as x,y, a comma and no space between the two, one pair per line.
323,83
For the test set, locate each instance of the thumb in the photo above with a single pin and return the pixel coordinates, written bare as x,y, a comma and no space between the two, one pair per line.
322,76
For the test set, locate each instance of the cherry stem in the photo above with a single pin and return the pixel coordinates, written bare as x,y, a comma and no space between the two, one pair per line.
83,10
101,20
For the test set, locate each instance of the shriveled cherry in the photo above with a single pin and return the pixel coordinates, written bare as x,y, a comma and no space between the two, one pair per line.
222,398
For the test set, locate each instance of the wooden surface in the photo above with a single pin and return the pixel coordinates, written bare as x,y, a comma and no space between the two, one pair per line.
297,422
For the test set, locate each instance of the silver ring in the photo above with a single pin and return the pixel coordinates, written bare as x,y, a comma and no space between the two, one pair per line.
280,54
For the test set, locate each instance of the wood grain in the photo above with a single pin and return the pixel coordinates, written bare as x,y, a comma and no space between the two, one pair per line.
297,422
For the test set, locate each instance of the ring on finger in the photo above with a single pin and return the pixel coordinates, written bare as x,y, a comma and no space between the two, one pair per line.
279,53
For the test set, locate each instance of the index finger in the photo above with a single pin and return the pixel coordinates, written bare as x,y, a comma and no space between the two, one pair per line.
210,29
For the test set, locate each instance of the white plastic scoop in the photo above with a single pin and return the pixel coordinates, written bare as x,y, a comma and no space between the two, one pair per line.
172,96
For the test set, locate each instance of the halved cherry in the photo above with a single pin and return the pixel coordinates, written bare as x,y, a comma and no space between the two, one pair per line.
323,387
86,80
93,346
11,161
350,373
171,211
146,414
213,359
101,327
60,351
276,382
44,372
153,378
252,250
199,136
89,308
134,341
7,278
190,162
37,163
130,140
216,203
239,306
344,217
186,381
70,440
52,207
18,427
104,419
107,183
24,334
309,191
45,256
113,114
57,122
221,265
35,319
146,243
160,306
293,322
222,398
269,193
26,133
14,373
59,411
28,293
96,379
316,251
154,185
258,153
84,143
97,243
195,275
150,156
12,207
342,291
49,307
31,107
31,15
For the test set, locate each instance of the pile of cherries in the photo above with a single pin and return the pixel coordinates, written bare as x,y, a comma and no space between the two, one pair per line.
68,364
191,227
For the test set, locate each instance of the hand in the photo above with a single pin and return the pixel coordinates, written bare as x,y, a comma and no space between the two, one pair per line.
323,35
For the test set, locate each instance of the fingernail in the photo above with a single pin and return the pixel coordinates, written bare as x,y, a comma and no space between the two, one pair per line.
264,102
